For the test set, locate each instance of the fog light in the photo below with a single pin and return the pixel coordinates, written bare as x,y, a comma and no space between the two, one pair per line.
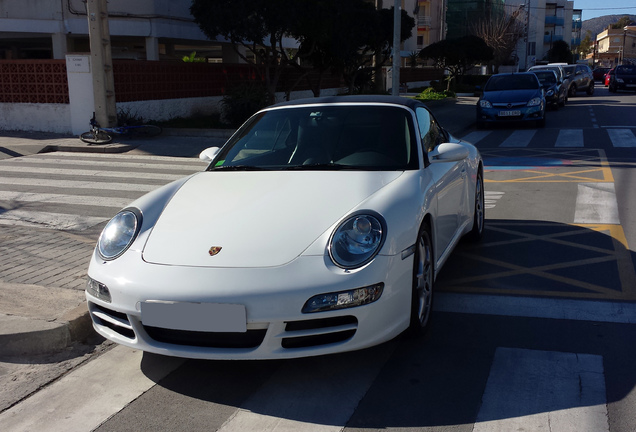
98,289
344,299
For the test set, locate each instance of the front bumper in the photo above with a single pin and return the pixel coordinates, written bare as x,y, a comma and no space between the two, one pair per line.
504,114
272,297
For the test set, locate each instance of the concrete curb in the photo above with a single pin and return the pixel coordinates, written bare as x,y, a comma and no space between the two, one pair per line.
27,336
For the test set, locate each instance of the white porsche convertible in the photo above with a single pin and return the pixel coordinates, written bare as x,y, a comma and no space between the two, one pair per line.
319,227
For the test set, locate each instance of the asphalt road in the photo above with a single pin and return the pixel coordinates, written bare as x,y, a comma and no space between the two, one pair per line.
533,328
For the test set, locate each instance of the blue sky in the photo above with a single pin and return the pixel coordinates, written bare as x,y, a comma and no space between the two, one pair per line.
596,8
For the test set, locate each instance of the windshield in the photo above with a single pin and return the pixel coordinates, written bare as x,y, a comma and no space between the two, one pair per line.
554,69
323,138
626,69
512,82
546,78
569,70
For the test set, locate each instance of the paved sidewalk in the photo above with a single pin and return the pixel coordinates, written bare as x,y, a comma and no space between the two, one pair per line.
43,271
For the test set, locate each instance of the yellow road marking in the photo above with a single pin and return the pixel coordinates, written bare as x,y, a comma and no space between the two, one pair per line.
596,163
619,253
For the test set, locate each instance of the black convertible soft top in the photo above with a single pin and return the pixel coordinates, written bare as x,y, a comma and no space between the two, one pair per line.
370,99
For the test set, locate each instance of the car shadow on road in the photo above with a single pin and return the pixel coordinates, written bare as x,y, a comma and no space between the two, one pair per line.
441,379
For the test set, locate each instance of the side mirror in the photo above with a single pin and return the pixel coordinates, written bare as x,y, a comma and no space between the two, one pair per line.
448,152
209,153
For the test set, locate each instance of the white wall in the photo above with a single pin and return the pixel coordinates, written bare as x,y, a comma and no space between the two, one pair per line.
36,117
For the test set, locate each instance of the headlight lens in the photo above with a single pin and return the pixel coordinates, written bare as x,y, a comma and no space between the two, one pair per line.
357,240
550,93
119,233
485,104
344,299
534,102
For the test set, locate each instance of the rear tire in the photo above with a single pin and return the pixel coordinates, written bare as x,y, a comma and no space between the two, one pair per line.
99,137
422,286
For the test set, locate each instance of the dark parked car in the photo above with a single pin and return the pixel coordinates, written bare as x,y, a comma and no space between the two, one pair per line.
599,73
512,97
554,91
560,73
581,79
624,78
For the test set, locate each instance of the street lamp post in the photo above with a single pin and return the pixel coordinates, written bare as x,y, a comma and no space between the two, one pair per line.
623,51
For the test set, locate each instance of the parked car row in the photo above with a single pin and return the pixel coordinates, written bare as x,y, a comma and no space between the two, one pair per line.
575,78
523,97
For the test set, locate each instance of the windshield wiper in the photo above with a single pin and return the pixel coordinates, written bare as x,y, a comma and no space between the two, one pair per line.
237,168
321,166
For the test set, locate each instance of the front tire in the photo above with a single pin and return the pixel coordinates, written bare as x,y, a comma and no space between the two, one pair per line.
573,90
479,217
96,137
422,287
590,89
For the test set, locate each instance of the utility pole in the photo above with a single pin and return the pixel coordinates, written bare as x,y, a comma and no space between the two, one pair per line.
397,30
101,63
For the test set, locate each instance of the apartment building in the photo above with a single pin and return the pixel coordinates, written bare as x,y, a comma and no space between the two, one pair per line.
139,29
616,46
547,21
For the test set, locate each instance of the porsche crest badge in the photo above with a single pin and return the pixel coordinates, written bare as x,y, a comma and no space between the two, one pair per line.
214,250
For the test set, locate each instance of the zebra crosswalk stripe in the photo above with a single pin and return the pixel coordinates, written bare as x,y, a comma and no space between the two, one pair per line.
566,138
62,202
89,173
570,138
519,138
622,137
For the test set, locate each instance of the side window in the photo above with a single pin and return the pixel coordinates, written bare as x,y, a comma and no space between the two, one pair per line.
430,133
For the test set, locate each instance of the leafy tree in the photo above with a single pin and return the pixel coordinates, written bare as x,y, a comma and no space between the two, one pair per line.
587,43
457,56
346,35
624,21
336,34
258,26
560,52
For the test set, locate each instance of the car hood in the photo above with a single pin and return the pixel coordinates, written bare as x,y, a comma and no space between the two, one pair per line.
258,219
510,96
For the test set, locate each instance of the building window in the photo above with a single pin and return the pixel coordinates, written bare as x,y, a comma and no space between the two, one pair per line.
532,47
420,40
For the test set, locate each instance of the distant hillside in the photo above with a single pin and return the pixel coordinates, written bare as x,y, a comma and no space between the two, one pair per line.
597,25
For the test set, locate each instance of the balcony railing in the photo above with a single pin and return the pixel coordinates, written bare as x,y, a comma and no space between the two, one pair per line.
552,20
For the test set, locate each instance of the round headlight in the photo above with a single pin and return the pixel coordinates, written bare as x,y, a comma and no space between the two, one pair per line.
356,240
118,234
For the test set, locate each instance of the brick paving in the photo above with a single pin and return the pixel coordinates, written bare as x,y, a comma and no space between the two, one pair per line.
44,257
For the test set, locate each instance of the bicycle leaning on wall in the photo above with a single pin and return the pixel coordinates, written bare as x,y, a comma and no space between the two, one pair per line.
100,135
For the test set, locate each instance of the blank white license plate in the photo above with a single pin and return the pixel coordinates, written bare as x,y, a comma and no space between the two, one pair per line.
207,317
509,113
